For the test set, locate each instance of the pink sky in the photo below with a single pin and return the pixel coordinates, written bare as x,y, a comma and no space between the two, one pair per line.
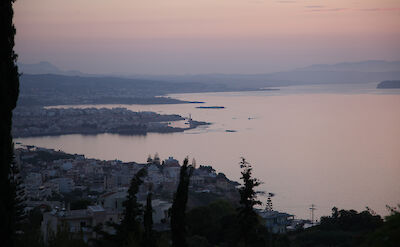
204,36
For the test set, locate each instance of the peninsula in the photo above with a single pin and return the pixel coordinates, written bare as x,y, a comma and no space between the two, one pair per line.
38,121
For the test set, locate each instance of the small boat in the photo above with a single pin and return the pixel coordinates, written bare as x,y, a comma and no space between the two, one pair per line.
230,131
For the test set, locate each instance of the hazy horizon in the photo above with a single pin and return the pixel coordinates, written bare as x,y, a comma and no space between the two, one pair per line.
46,65
193,37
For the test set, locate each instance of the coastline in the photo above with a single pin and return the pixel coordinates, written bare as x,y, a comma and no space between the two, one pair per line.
36,122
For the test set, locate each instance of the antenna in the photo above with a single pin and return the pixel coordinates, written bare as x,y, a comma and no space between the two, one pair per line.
312,213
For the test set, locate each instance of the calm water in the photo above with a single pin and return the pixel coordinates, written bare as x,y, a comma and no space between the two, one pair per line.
327,145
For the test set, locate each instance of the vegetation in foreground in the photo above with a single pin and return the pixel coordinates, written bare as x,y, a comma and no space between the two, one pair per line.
220,223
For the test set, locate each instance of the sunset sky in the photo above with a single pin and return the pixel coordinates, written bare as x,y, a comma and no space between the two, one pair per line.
204,36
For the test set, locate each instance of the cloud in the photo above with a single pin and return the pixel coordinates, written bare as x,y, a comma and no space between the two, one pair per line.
256,1
314,6
321,8
328,10
380,9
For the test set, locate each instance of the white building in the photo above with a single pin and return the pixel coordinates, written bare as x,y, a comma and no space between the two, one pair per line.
276,222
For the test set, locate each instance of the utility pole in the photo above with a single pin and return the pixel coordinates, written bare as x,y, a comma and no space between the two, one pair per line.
269,202
312,213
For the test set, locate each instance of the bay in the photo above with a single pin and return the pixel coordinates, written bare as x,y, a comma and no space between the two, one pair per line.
330,145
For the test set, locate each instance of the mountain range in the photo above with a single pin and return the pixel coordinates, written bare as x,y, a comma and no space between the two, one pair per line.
346,72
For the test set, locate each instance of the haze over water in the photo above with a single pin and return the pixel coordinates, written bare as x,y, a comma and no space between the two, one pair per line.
327,145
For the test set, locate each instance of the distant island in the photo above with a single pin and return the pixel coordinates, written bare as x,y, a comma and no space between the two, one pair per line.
389,84
210,107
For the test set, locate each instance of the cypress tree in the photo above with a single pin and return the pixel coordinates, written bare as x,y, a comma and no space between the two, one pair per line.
148,222
178,230
20,215
248,218
130,230
9,90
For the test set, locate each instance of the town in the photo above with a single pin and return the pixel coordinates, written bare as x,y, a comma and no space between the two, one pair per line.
85,192
39,121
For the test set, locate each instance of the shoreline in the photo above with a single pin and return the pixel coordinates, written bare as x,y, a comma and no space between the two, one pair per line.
168,130
38,122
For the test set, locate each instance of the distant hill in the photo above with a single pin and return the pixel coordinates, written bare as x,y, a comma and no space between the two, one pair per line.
357,72
50,89
347,72
389,84
45,68
363,66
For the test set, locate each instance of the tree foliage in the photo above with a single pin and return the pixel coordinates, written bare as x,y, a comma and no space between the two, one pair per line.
388,234
130,230
248,218
64,238
178,228
216,222
148,222
9,90
342,228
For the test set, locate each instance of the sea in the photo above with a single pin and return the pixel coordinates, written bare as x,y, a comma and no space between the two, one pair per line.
327,145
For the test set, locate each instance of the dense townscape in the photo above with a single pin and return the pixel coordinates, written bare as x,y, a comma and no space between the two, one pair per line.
38,121
61,182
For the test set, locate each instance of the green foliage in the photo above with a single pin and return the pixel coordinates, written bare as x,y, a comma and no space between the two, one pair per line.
178,230
220,224
248,218
130,230
31,235
216,222
388,234
343,228
148,223
203,199
9,90
19,200
198,241
350,220
64,238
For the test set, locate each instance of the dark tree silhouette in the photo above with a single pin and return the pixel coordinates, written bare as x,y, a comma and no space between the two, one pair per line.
130,229
19,206
248,218
148,222
178,228
9,89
